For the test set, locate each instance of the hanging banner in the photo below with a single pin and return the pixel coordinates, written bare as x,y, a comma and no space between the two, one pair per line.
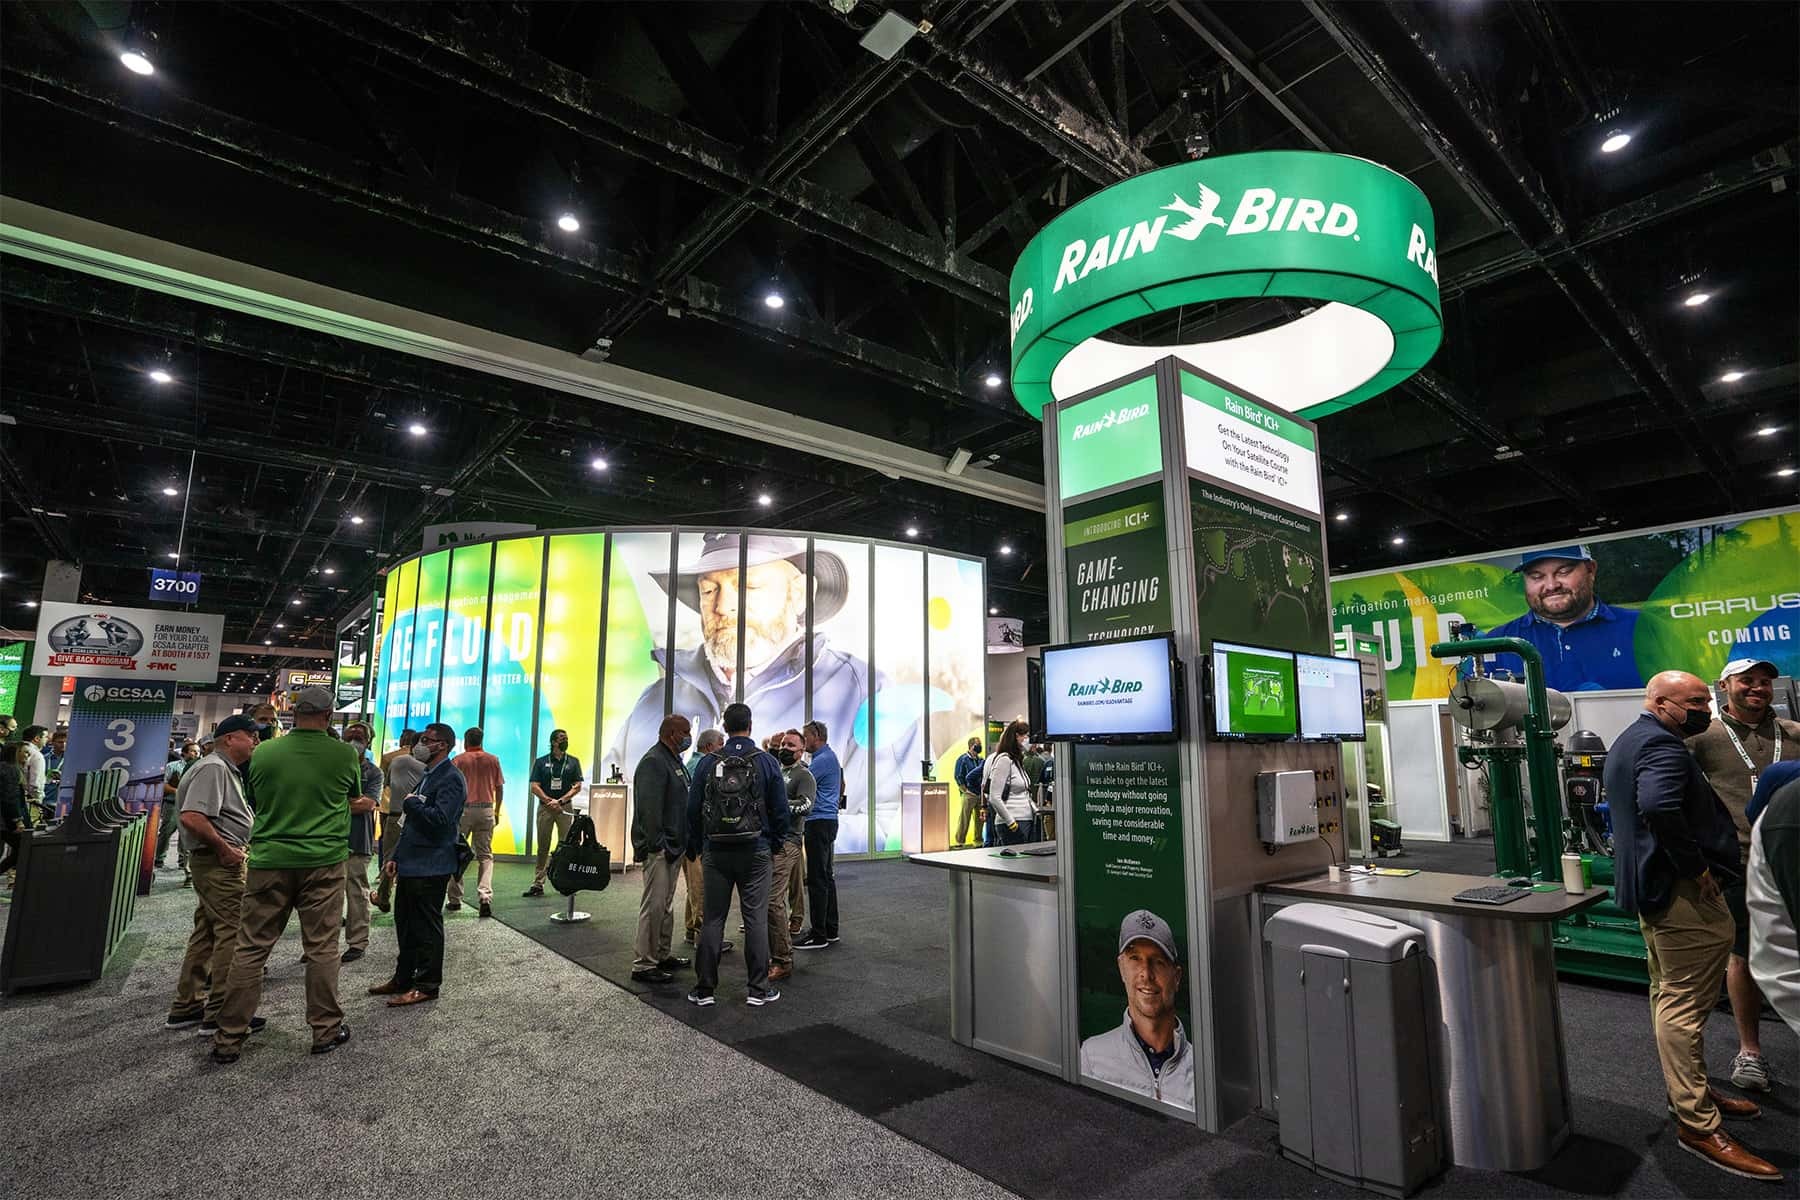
1131,922
348,679
457,532
127,643
12,665
174,587
1607,613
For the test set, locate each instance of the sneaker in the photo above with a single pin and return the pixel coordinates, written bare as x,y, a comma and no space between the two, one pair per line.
351,955
769,996
794,927
208,1028
812,941
487,909
343,1035
703,999
1750,1072
652,975
832,938
534,890
182,1020
187,881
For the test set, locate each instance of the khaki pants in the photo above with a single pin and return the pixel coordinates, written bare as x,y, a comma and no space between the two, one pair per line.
656,913
784,867
390,837
478,824
548,819
693,881
270,897
965,816
796,892
356,902
1687,945
218,893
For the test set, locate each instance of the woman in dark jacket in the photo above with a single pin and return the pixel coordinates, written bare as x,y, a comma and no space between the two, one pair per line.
15,818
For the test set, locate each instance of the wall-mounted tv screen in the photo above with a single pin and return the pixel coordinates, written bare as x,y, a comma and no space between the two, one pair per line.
1111,691
1331,697
1253,692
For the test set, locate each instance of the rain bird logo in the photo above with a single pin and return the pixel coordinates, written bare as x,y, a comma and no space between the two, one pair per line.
1197,218
1118,416
1106,687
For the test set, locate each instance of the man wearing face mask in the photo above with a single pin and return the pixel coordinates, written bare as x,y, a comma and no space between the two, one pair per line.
659,787
362,845
421,868
788,863
555,781
1675,847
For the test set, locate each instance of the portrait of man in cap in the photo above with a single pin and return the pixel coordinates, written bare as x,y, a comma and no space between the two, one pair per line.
1586,645
1148,1052
757,583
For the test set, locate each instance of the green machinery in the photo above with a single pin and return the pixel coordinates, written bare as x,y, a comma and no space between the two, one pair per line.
1508,724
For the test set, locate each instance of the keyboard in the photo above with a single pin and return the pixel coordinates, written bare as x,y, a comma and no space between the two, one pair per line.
1497,894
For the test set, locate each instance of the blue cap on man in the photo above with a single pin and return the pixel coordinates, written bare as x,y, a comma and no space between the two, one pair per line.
1572,553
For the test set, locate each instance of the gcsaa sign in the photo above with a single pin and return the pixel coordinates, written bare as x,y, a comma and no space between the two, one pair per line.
1343,233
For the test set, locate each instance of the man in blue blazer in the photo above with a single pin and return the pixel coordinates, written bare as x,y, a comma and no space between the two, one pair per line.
423,863
1674,844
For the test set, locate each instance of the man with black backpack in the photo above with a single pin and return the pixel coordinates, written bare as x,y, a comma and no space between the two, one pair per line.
737,817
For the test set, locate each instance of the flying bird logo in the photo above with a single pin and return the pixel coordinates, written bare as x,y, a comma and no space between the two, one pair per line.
1197,218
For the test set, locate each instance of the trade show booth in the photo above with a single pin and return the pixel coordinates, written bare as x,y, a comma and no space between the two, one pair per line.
601,632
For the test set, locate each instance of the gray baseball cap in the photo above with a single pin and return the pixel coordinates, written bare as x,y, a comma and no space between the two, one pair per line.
314,700
1738,666
1144,925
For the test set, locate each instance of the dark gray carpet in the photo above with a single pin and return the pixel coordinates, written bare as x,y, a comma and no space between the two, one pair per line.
886,984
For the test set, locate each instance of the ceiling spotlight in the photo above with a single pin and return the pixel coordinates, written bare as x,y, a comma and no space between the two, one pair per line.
1343,516
1732,376
764,499
1399,539
1696,299
33,603
171,491
416,429
295,602
173,554
331,570
599,464
993,379
161,376
267,642
569,223
993,612
912,531
280,625
1785,472
1005,550
774,300
1616,140
356,520
1768,431
136,63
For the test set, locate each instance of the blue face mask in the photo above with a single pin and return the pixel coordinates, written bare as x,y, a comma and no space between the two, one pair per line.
686,741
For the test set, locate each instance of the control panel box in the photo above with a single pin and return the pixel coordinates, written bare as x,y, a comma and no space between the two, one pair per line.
1286,808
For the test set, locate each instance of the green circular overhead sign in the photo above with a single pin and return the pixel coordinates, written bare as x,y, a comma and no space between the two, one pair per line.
1344,231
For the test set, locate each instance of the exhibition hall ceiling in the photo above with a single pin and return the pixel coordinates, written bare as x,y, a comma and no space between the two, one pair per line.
713,158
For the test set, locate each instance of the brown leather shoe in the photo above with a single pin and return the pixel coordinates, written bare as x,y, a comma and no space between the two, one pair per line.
779,972
390,988
1731,1106
411,996
1724,1152
795,926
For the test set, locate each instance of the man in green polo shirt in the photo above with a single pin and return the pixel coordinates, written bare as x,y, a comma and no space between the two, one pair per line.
303,784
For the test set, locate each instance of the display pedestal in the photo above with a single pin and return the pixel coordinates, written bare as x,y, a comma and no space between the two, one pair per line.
569,916
609,805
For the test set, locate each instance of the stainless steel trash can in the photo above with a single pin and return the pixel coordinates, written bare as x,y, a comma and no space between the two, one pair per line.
1352,1062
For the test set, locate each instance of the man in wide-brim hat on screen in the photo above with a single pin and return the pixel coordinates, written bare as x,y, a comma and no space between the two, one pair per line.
771,606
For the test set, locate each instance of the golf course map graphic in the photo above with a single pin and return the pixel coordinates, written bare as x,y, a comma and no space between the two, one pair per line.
1258,572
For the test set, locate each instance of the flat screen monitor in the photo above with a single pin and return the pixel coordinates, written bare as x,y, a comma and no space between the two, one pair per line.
1122,691
1253,693
1331,697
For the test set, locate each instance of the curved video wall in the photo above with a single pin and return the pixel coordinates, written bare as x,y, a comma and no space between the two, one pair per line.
601,632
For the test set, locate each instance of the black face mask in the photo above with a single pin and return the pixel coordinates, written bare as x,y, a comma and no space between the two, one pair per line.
788,757
1695,721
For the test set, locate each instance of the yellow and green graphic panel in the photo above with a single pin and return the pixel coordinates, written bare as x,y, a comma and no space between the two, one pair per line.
956,648
396,649
428,638
465,637
571,642
511,668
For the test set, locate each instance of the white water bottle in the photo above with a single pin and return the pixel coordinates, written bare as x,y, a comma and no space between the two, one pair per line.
1571,864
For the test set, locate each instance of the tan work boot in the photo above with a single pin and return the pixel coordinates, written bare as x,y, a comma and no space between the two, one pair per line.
1726,1153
